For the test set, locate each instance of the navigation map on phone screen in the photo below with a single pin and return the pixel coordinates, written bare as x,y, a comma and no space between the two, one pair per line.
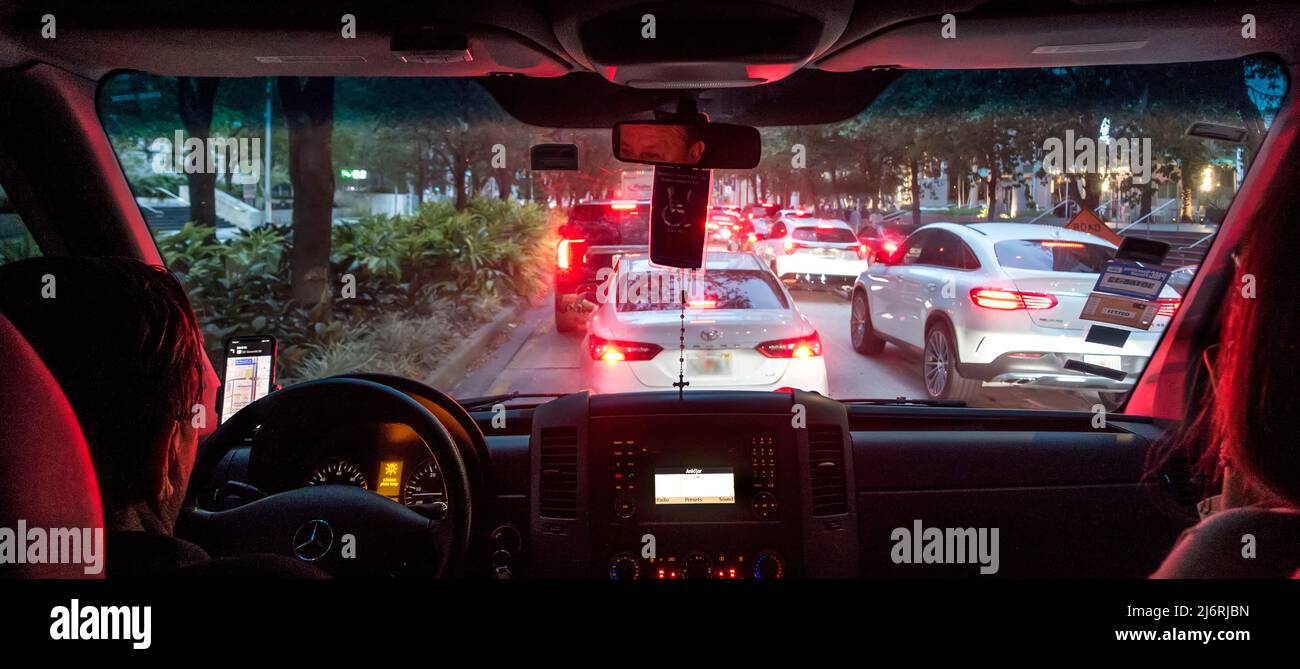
250,373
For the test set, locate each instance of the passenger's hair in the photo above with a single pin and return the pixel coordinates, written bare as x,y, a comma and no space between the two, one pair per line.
1253,417
122,341
1244,415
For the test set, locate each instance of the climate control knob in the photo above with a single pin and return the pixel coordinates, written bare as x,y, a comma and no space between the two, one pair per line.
768,565
624,567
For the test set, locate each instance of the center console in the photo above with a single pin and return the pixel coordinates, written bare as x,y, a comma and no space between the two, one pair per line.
650,486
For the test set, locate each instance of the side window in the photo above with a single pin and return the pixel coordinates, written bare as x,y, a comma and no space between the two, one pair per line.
914,248
16,243
968,259
948,250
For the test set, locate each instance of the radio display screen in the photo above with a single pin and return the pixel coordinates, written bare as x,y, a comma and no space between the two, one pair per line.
695,485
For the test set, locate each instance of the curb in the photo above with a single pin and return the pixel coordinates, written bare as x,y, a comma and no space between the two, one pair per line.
453,366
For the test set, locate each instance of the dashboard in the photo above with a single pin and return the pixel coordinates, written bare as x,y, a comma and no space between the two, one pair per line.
734,485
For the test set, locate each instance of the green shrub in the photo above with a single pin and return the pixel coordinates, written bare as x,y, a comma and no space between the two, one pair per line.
421,281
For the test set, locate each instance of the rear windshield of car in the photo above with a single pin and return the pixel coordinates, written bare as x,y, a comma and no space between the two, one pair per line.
602,224
1052,256
832,235
712,289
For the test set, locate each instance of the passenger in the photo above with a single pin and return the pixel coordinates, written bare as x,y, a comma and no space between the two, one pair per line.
1251,528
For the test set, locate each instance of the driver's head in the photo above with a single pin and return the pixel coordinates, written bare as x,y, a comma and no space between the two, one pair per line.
122,341
672,144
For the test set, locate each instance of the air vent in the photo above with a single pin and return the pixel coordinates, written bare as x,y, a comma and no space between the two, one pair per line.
826,467
558,496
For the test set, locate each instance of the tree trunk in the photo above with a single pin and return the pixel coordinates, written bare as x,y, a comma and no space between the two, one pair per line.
309,112
458,167
1092,190
1146,194
196,96
421,173
995,190
505,183
915,168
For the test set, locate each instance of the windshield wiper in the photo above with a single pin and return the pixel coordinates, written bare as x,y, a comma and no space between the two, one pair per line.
903,401
473,402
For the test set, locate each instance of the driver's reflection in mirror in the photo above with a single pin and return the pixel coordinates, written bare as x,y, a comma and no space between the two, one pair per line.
669,144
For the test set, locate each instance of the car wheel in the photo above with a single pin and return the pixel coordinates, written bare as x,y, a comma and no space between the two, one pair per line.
864,337
939,368
1112,402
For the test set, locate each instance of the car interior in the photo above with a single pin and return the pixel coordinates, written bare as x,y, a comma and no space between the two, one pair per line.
551,482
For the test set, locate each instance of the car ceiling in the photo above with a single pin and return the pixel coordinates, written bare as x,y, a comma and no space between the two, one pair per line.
835,55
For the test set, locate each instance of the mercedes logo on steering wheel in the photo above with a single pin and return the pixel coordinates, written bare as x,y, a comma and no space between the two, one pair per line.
313,540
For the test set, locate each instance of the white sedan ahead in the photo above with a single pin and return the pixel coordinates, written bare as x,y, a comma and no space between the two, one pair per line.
743,331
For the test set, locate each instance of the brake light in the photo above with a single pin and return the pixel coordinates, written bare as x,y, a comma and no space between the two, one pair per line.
623,206
1062,245
702,304
789,246
1010,300
1168,306
889,247
799,347
862,252
617,351
751,237
825,226
564,253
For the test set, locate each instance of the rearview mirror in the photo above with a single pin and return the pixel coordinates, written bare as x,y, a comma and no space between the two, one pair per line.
710,146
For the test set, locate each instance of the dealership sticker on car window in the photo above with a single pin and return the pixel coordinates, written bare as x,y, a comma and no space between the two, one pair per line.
1131,279
1119,310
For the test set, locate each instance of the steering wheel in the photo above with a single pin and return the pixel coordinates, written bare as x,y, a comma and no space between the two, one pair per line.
345,530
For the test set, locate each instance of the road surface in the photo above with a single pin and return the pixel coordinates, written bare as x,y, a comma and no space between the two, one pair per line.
535,357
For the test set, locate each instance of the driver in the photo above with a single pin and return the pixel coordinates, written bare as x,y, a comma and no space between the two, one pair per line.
122,341
671,144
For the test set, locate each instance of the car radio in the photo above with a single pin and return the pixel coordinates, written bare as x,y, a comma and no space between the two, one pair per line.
691,500
684,478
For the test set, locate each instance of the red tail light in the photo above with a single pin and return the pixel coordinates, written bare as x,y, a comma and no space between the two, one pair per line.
798,347
863,251
1062,245
617,351
1010,300
702,304
564,254
789,246
623,206
1168,306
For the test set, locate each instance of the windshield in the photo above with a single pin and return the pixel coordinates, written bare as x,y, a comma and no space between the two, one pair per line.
395,225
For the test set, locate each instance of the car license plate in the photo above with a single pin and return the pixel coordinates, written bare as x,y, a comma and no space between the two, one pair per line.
1111,361
825,253
710,363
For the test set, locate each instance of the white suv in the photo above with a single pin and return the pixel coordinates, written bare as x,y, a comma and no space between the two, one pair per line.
814,252
997,304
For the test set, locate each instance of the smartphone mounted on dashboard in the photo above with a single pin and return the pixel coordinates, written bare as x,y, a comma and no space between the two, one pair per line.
249,373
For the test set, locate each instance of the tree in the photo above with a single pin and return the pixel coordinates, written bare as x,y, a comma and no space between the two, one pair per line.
195,98
308,104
